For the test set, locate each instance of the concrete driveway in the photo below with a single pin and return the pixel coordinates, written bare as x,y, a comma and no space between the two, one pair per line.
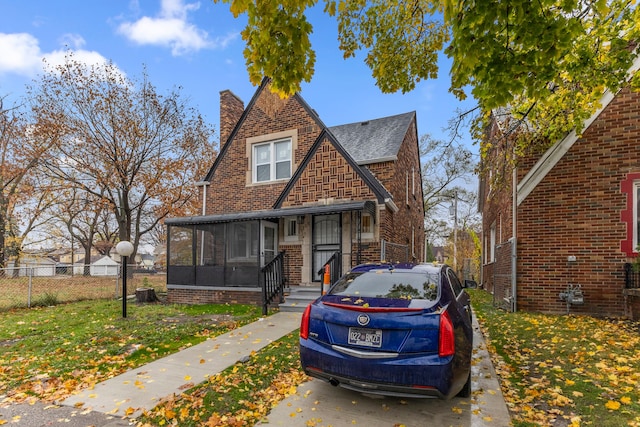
317,403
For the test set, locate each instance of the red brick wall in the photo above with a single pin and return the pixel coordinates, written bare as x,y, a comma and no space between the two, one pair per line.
293,263
498,210
229,191
328,176
576,211
393,175
231,109
214,296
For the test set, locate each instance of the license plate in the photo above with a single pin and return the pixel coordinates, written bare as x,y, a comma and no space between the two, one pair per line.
365,337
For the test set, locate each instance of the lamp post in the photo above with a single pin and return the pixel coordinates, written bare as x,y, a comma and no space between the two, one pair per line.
124,249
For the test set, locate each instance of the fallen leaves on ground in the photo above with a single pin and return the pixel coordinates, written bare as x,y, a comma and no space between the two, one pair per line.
241,395
52,352
564,370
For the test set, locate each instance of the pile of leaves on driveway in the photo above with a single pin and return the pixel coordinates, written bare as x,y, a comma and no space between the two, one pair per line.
563,370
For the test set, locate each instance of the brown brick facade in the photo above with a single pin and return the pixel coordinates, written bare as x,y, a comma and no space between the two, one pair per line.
214,296
577,211
231,108
232,190
327,178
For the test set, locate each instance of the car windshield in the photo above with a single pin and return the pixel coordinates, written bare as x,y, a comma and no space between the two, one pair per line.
388,284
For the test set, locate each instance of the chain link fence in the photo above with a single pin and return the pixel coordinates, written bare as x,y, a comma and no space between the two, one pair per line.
44,285
394,252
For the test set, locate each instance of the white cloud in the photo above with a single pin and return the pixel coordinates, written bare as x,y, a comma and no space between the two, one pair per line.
57,57
20,54
171,28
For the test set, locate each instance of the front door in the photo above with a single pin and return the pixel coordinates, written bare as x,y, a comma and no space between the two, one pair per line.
325,242
268,242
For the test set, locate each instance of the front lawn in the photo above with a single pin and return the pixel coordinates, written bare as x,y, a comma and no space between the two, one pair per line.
563,370
48,352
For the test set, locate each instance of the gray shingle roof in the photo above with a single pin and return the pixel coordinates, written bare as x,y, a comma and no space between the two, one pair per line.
374,140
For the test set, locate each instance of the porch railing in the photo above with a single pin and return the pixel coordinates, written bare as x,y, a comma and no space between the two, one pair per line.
273,281
335,269
631,276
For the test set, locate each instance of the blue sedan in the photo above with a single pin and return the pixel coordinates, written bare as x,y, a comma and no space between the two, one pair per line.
391,329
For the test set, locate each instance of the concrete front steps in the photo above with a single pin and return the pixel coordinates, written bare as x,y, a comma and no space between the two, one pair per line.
299,297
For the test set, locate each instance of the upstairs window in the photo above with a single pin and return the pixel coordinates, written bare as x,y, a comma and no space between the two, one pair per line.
272,161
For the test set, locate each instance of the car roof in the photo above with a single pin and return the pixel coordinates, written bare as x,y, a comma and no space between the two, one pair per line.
422,267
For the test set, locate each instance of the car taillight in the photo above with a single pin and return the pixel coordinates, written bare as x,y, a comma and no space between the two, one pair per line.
304,324
446,340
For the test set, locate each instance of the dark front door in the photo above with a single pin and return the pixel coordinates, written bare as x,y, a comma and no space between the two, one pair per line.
325,242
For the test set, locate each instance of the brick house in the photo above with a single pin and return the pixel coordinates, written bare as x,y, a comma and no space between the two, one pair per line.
577,208
286,185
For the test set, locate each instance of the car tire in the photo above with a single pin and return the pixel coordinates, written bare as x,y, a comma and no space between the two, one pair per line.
466,390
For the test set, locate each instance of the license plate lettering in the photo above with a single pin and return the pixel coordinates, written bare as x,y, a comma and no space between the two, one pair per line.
365,337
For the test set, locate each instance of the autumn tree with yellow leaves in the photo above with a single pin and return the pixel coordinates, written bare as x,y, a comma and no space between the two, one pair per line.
550,61
21,203
121,142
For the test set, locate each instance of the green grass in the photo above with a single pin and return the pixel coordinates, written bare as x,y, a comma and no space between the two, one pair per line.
47,352
563,370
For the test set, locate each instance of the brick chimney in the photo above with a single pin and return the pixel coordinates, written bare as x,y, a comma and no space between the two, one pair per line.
231,109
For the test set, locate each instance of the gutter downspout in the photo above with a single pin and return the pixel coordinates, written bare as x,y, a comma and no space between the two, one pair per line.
514,243
203,184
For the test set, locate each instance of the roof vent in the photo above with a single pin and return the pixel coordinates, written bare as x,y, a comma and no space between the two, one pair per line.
364,123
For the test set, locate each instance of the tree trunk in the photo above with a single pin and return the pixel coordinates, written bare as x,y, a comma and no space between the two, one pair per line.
146,295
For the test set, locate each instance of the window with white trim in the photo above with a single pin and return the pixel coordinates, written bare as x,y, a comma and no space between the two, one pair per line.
406,193
272,161
291,229
636,215
492,243
413,240
413,181
366,226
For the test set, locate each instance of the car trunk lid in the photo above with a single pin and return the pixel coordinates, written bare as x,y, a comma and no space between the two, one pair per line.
381,324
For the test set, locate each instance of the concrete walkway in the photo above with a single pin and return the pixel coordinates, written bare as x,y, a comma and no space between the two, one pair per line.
117,401
142,388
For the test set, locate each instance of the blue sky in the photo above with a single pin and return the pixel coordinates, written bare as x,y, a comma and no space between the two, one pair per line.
197,45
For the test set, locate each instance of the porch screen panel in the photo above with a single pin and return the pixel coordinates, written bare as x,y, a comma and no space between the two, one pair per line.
208,245
180,266
243,262
243,241
209,255
181,252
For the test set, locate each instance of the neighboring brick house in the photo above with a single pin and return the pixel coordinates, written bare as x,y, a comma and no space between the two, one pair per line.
577,208
285,182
